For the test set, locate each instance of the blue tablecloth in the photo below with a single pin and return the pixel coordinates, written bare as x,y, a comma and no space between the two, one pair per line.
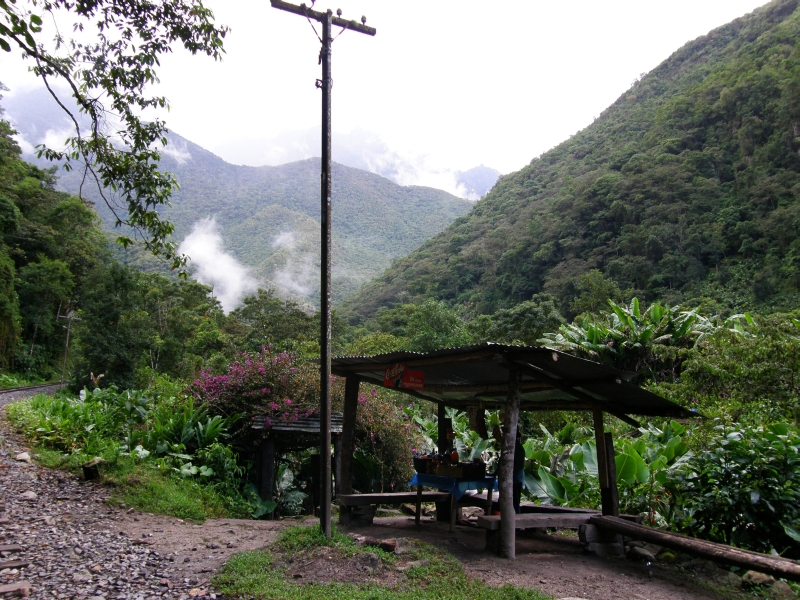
457,487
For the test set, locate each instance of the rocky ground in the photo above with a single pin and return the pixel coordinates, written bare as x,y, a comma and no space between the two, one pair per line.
60,537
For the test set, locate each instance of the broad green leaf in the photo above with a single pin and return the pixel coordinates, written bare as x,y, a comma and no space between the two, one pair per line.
534,486
577,458
590,458
792,532
626,468
677,428
570,488
552,486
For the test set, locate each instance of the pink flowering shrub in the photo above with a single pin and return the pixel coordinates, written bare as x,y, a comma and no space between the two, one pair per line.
385,441
276,385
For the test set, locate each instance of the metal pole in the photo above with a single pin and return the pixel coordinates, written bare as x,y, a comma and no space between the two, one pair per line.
325,287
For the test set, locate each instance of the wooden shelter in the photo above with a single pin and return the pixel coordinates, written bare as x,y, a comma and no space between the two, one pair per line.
283,436
511,378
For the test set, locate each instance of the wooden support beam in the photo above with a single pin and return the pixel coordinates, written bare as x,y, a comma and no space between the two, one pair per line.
443,507
307,12
508,537
764,563
442,441
351,385
337,463
603,474
267,467
611,465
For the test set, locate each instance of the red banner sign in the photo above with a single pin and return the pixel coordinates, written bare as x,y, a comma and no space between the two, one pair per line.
399,376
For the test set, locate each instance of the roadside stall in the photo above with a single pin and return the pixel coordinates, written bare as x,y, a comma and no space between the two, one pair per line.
510,378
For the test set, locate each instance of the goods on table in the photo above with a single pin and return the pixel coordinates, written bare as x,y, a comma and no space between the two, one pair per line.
448,465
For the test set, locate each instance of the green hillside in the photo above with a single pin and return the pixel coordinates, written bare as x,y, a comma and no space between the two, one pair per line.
686,187
269,216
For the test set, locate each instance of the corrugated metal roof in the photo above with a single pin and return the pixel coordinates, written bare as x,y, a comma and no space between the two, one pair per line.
551,380
305,425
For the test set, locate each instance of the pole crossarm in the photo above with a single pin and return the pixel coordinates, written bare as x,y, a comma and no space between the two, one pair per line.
303,10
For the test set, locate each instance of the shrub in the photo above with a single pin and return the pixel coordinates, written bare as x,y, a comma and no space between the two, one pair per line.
277,385
745,489
385,441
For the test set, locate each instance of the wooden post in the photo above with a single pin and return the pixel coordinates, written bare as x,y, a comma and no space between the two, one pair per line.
612,474
442,508
442,416
602,463
326,19
345,485
267,467
508,532
337,464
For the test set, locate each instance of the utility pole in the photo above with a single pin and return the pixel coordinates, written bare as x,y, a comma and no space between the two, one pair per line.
70,317
327,20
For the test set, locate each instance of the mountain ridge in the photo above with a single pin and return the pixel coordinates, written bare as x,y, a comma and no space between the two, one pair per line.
684,188
268,216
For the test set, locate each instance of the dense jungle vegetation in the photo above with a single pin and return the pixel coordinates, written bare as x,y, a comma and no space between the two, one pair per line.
685,189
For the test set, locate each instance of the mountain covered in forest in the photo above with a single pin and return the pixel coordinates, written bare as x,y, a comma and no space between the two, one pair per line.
684,190
268,217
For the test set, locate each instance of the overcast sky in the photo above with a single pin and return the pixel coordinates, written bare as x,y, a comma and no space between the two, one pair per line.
459,83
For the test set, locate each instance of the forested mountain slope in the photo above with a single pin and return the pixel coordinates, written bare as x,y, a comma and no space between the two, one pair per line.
269,216
686,187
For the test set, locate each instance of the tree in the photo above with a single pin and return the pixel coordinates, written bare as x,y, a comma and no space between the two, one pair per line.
526,322
44,287
264,320
107,78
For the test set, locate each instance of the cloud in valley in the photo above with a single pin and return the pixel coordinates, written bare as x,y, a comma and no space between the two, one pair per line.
296,272
211,265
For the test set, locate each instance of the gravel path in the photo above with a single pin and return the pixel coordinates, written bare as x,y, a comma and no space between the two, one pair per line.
61,538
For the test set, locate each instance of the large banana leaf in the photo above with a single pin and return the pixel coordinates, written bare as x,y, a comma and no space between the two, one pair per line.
552,486
631,468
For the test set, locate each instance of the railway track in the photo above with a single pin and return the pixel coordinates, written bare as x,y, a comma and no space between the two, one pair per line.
31,388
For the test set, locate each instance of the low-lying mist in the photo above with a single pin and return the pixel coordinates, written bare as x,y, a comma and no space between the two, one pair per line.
211,265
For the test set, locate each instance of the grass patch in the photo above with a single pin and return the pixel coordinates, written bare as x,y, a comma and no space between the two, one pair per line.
303,538
151,490
437,575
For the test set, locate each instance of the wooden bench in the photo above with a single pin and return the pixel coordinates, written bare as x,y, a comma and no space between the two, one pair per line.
348,502
491,523
543,520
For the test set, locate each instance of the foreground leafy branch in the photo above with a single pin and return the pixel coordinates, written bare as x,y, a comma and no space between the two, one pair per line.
108,78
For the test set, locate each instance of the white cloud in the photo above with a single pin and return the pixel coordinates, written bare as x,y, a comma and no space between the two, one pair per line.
212,266
178,151
24,145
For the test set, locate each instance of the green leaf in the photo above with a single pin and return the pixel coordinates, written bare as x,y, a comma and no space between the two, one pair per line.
791,531
552,486
626,468
535,486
